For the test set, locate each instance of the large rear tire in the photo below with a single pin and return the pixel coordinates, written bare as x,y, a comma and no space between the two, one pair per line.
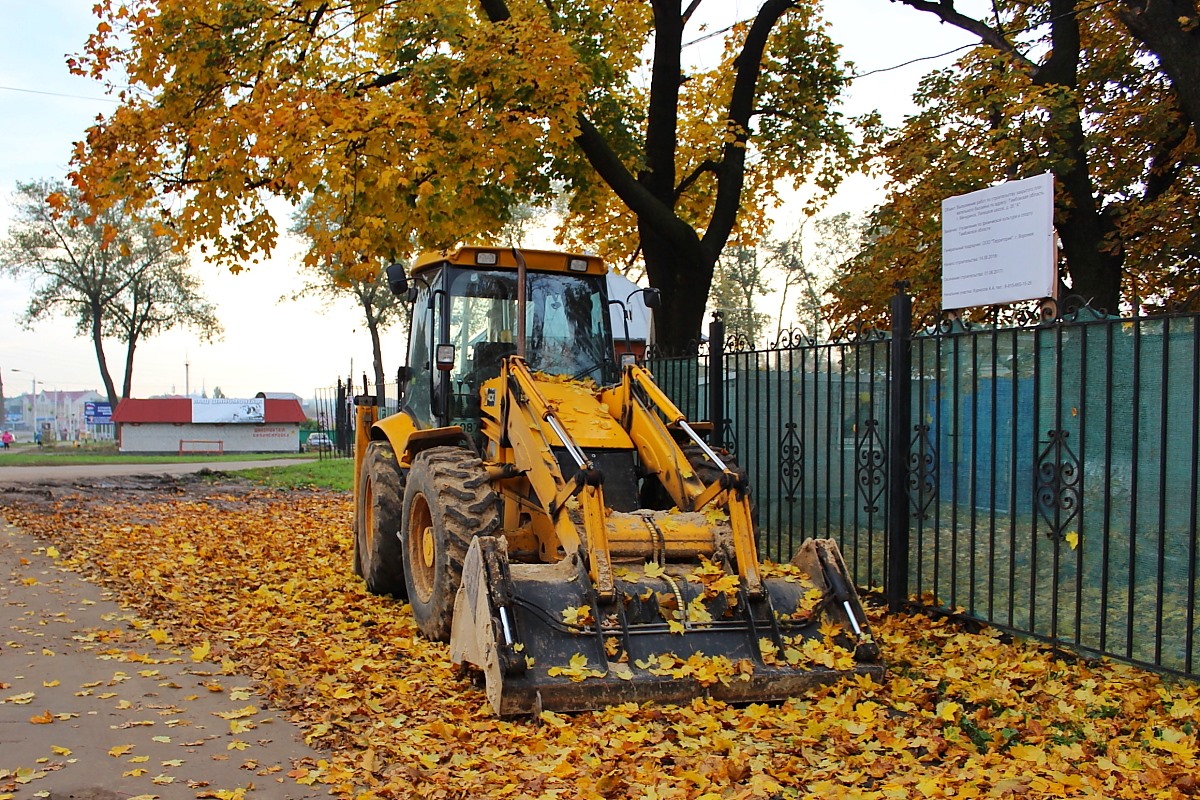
448,500
378,553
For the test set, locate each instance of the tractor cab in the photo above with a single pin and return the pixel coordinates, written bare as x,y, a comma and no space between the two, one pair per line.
472,321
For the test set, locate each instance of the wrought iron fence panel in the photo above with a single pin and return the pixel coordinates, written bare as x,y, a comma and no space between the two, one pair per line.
808,422
1065,457
1051,469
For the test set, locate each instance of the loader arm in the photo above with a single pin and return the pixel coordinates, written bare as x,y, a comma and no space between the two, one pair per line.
530,425
643,407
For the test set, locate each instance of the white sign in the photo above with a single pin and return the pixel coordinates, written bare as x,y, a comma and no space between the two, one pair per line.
998,244
223,409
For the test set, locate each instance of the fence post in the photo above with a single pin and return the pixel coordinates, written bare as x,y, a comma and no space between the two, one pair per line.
341,421
899,424
716,379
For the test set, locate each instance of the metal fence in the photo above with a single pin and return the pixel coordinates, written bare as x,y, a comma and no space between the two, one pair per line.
1039,475
335,412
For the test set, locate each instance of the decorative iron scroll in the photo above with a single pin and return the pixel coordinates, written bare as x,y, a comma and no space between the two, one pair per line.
1058,493
862,332
1071,308
792,339
870,466
728,437
738,342
791,462
942,322
1026,314
922,472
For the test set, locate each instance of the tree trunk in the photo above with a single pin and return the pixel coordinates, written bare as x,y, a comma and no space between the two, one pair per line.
110,388
127,384
684,276
376,356
1159,25
1091,242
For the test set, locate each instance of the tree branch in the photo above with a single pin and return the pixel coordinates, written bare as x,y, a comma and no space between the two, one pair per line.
945,11
708,165
632,192
731,176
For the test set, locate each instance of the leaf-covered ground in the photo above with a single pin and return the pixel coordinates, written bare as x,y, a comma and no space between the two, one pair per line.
262,580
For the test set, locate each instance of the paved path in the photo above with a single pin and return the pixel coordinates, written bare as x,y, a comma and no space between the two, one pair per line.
92,709
65,473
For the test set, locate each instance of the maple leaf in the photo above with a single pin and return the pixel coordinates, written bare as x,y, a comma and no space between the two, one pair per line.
653,570
578,616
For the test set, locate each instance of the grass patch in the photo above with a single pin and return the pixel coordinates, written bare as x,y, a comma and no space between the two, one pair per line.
330,473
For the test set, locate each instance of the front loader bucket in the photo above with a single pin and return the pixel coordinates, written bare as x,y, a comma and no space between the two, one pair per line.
544,641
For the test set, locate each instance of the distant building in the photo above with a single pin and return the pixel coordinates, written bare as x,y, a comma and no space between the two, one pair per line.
266,423
59,415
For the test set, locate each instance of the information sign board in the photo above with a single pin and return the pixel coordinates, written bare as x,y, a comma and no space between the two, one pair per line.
998,244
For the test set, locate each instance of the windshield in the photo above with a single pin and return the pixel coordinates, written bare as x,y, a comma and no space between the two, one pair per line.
566,324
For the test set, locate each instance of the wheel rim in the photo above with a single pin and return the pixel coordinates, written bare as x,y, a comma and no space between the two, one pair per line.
422,548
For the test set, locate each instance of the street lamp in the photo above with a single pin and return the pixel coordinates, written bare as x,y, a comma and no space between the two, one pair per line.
32,397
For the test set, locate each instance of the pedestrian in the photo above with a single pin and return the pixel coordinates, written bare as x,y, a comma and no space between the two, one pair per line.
7,439
37,438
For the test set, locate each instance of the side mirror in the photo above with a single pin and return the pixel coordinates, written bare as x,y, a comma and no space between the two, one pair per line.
444,357
397,279
652,298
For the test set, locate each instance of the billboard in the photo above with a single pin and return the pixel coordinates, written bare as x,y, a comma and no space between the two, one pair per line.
998,244
97,413
228,410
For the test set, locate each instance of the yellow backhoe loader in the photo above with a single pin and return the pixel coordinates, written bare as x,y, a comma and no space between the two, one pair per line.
548,510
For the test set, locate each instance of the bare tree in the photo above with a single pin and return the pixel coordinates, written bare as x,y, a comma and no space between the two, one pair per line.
118,277
809,261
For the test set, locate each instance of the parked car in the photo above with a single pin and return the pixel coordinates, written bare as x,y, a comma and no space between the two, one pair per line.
319,441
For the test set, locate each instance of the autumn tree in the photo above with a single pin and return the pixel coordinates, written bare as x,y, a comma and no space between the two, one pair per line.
360,280
1051,88
112,274
429,123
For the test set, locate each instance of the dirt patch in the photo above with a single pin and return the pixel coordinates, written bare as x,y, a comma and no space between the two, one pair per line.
218,488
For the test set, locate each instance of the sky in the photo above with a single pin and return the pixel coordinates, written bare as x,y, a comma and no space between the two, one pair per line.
302,346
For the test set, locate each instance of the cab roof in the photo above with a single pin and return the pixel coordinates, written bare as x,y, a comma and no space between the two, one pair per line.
504,258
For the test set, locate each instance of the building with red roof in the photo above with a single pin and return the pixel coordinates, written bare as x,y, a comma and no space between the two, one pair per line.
266,423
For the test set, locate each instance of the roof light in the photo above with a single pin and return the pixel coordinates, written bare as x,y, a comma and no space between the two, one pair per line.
486,258
577,264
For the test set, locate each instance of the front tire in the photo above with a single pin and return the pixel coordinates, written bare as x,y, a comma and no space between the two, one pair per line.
378,553
448,500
